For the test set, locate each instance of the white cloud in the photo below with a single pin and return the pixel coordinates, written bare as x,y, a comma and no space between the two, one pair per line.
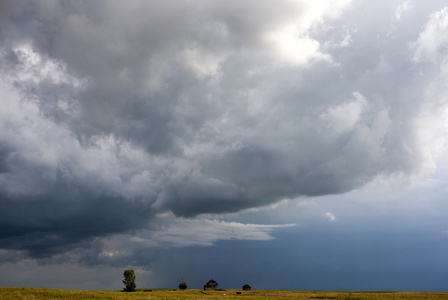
331,217
343,117
295,50
292,42
402,8
36,68
432,43
343,40
179,232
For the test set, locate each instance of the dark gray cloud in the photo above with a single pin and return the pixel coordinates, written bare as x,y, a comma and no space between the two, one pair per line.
64,216
114,112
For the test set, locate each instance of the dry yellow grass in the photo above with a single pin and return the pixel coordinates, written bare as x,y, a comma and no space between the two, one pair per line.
37,294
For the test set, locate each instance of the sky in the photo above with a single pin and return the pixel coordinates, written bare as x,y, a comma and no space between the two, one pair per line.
284,144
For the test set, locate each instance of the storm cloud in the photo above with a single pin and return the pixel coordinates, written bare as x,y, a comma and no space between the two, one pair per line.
114,113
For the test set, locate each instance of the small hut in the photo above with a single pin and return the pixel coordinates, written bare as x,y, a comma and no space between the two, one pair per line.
246,287
211,285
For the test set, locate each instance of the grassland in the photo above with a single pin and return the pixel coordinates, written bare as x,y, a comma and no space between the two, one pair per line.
37,294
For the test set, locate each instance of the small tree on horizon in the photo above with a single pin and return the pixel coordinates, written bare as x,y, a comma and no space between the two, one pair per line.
129,281
182,284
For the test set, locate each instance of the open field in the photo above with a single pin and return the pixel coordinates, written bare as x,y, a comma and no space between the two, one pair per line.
31,293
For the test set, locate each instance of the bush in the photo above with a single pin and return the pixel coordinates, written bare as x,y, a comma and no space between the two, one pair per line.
182,285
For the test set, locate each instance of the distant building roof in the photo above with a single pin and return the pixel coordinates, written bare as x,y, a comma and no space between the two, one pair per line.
211,285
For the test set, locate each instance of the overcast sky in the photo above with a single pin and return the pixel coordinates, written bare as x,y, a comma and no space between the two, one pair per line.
287,144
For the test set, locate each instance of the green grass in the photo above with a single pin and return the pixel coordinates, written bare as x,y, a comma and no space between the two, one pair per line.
170,294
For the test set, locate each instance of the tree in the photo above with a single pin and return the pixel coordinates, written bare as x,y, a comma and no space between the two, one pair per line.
129,281
182,284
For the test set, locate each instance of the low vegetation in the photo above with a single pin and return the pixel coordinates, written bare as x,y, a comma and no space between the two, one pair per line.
37,294
182,284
